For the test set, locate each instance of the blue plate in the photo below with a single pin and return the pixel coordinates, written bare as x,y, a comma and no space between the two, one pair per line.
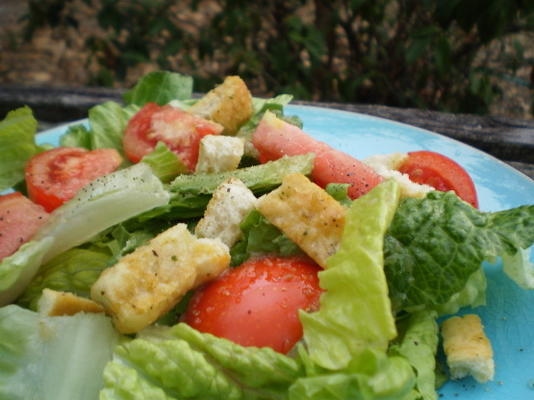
508,316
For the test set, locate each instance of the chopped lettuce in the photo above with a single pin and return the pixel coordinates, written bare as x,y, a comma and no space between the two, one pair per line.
340,192
419,345
105,128
73,271
59,358
355,312
519,268
103,203
17,145
258,178
260,236
385,378
160,87
17,270
440,241
180,362
165,164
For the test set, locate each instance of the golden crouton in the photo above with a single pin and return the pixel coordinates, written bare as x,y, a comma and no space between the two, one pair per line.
53,304
467,348
229,104
306,214
147,283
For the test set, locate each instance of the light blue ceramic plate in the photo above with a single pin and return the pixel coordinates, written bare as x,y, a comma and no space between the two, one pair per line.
509,314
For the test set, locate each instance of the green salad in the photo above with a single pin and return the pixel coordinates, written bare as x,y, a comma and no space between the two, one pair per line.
400,264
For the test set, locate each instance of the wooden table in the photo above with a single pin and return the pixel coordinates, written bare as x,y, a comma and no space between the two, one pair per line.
510,140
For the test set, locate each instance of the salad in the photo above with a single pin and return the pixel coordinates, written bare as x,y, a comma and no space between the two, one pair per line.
370,268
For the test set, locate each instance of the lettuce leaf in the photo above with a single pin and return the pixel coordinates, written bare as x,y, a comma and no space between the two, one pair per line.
17,145
440,241
17,270
419,344
260,236
59,358
519,268
180,362
105,202
355,311
160,87
72,271
165,164
105,128
258,178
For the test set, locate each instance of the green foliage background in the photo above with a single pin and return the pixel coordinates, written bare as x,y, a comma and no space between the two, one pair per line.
417,53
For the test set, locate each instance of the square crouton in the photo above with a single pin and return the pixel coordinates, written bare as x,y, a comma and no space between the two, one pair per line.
232,201
219,154
148,282
467,348
306,214
229,104
53,304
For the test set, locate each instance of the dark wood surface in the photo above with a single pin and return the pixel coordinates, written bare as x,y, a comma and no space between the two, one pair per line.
510,140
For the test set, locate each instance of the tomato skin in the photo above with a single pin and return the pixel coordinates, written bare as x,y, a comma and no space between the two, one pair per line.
257,303
20,218
55,176
440,172
178,129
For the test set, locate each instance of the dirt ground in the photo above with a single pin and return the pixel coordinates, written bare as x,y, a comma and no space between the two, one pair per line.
58,57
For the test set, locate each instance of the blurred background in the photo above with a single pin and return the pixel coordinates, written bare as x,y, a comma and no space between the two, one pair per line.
470,56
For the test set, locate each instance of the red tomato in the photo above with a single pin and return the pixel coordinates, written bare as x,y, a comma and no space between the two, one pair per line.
178,129
440,172
19,220
54,176
256,303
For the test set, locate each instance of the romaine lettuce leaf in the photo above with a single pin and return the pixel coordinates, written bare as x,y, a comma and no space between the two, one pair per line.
419,345
59,358
258,178
184,363
160,87
440,241
105,202
355,311
165,164
389,378
519,268
105,128
72,271
18,269
260,236
17,145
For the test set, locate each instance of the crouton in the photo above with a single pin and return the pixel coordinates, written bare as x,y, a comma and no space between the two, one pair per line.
229,104
232,201
467,348
219,154
386,165
147,283
306,214
53,303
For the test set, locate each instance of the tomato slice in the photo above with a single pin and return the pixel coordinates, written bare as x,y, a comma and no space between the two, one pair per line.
257,303
178,129
56,175
20,218
440,172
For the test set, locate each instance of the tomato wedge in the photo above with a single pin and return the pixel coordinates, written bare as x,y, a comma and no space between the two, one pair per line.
440,172
54,176
178,129
20,218
257,303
